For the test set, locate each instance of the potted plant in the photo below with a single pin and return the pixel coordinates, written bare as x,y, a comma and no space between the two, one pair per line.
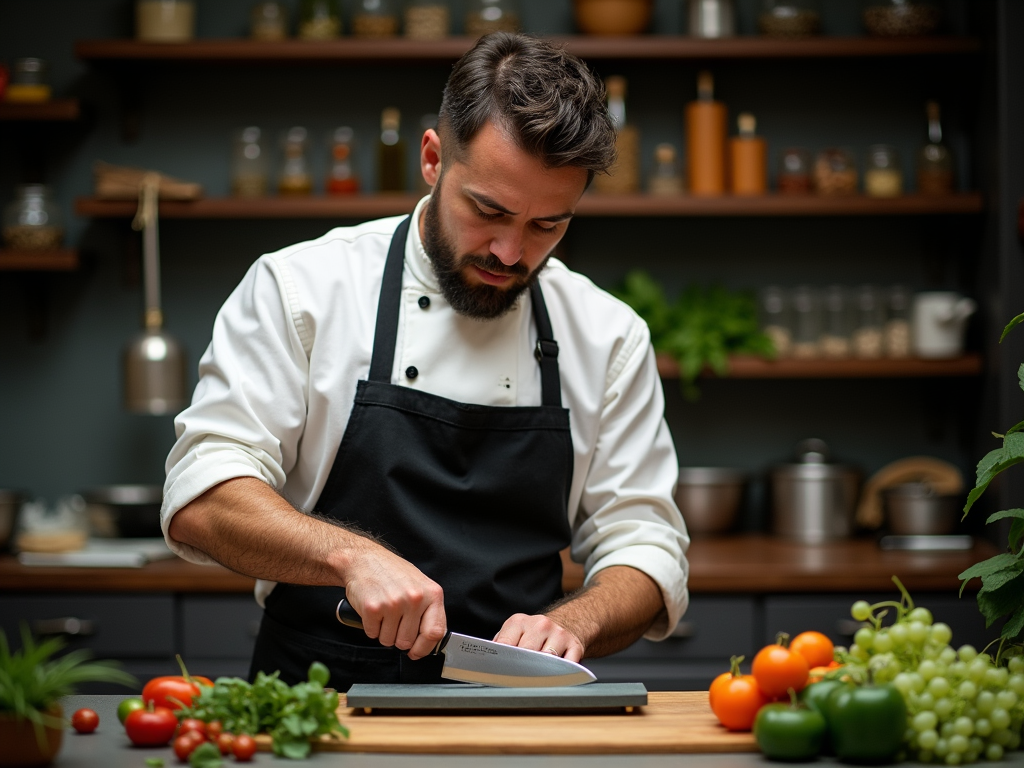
32,681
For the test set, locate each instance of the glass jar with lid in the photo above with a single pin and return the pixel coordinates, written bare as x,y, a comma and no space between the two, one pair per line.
486,16
883,176
795,168
341,174
901,18
789,18
897,322
665,177
835,334
295,179
427,19
775,320
374,19
806,323
319,20
165,21
835,172
30,82
269,22
33,222
869,314
249,167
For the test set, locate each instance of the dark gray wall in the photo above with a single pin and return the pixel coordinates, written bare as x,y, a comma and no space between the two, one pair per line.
61,423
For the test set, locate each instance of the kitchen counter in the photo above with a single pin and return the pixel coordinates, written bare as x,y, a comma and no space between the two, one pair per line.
750,564
109,748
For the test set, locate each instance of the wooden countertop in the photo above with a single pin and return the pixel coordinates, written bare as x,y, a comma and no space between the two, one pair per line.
731,564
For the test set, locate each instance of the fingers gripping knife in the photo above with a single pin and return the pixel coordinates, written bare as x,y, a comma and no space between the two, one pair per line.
473,660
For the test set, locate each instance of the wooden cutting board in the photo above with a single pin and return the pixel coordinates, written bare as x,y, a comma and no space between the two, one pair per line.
672,722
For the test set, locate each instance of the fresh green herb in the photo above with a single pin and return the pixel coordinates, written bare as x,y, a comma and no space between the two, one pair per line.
701,329
205,756
291,715
1002,576
155,762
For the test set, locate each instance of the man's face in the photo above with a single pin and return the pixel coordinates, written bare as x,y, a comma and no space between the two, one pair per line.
495,215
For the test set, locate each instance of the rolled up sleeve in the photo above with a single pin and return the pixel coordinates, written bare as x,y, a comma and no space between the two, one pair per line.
249,409
629,516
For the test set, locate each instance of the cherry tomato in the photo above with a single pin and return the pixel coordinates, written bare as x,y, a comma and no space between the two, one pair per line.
150,727
85,721
225,743
129,705
190,724
777,669
186,744
736,698
815,647
214,729
244,748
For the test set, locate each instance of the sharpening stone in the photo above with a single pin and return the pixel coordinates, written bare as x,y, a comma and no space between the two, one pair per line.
468,696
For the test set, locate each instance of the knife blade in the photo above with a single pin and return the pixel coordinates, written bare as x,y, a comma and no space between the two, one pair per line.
475,660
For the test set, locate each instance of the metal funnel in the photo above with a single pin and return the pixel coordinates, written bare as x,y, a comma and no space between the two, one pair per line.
154,361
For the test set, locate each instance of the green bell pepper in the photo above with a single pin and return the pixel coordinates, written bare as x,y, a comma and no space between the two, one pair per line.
789,732
866,722
816,696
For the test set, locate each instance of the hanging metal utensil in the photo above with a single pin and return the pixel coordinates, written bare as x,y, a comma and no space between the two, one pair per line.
154,361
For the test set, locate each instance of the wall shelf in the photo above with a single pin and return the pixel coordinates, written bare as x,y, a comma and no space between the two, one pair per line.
757,368
371,206
64,260
660,47
59,110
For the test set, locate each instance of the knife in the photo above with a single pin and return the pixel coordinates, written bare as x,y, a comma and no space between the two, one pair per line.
473,660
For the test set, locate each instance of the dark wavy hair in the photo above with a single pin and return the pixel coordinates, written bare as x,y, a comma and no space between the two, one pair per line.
548,101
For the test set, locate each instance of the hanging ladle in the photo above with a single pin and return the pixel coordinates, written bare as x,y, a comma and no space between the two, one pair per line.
154,361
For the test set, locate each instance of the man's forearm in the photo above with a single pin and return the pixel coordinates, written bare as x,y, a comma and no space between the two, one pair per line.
611,612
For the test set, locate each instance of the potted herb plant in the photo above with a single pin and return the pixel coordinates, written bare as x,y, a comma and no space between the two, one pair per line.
32,681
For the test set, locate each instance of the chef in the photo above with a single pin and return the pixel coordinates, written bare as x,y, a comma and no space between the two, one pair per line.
419,413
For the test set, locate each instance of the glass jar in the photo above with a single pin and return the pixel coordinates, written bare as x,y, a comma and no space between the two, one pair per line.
835,333
835,172
249,167
486,16
341,174
795,172
319,20
165,21
934,161
806,323
867,328
711,19
33,222
30,83
901,18
897,323
789,18
665,178
374,19
295,179
269,22
427,20
775,319
883,176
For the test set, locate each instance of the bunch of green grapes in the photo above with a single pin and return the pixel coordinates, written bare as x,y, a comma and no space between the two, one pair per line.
962,705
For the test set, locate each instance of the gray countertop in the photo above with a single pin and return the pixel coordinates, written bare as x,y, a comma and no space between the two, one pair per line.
109,747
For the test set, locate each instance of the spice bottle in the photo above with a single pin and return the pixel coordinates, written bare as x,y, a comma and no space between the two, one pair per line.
269,22
934,163
390,153
748,159
319,20
867,332
30,82
897,324
341,175
665,178
374,19
705,140
795,172
624,176
295,179
835,336
427,20
835,172
486,16
776,322
165,21
882,176
249,170
33,222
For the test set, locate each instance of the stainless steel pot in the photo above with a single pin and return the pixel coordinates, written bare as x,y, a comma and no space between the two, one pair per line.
814,500
914,509
10,503
124,511
709,498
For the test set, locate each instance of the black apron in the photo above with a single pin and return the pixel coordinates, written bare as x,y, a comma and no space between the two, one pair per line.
475,496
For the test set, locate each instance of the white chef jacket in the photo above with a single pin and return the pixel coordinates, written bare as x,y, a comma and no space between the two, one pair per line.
290,343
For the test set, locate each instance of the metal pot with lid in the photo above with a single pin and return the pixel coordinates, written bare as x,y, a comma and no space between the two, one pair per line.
813,498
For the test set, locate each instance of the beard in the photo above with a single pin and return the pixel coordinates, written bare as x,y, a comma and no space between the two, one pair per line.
480,301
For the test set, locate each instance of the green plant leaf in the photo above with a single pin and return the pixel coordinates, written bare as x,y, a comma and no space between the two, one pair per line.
206,755
295,750
1011,325
1013,627
1003,601
986,568
1020,375
995,462
1016,529
994,581
318,674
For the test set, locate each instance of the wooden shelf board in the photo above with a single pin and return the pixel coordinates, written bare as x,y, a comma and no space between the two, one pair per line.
370,206
57,110
757,368
448,49
64,260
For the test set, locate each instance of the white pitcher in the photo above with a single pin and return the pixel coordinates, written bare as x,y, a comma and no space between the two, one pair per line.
939,319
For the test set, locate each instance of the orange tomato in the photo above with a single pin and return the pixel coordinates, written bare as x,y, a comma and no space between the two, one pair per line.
777,669
736,698
815,647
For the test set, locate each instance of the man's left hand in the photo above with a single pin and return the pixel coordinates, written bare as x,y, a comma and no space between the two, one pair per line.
540,633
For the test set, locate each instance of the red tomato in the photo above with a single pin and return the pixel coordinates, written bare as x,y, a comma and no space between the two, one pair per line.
85,721
150,727
173,692
190,724
813,646
777,669
186,744
225,743
244,748
214,729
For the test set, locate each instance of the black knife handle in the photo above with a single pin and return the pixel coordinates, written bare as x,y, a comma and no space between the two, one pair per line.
348,616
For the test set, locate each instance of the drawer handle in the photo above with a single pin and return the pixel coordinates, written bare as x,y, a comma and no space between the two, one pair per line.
684,630
66,626
848,627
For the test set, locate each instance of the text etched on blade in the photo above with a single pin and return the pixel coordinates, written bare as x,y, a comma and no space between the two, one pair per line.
469,647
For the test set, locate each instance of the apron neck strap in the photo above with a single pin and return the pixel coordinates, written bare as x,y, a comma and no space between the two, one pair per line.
390,303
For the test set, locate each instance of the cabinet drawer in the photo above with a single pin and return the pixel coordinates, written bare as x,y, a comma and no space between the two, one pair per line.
831,614
219,627
118,626
713,628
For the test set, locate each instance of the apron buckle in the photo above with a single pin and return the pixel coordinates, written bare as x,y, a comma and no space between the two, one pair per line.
546,348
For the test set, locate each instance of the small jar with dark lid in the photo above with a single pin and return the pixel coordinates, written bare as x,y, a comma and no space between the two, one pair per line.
30,82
